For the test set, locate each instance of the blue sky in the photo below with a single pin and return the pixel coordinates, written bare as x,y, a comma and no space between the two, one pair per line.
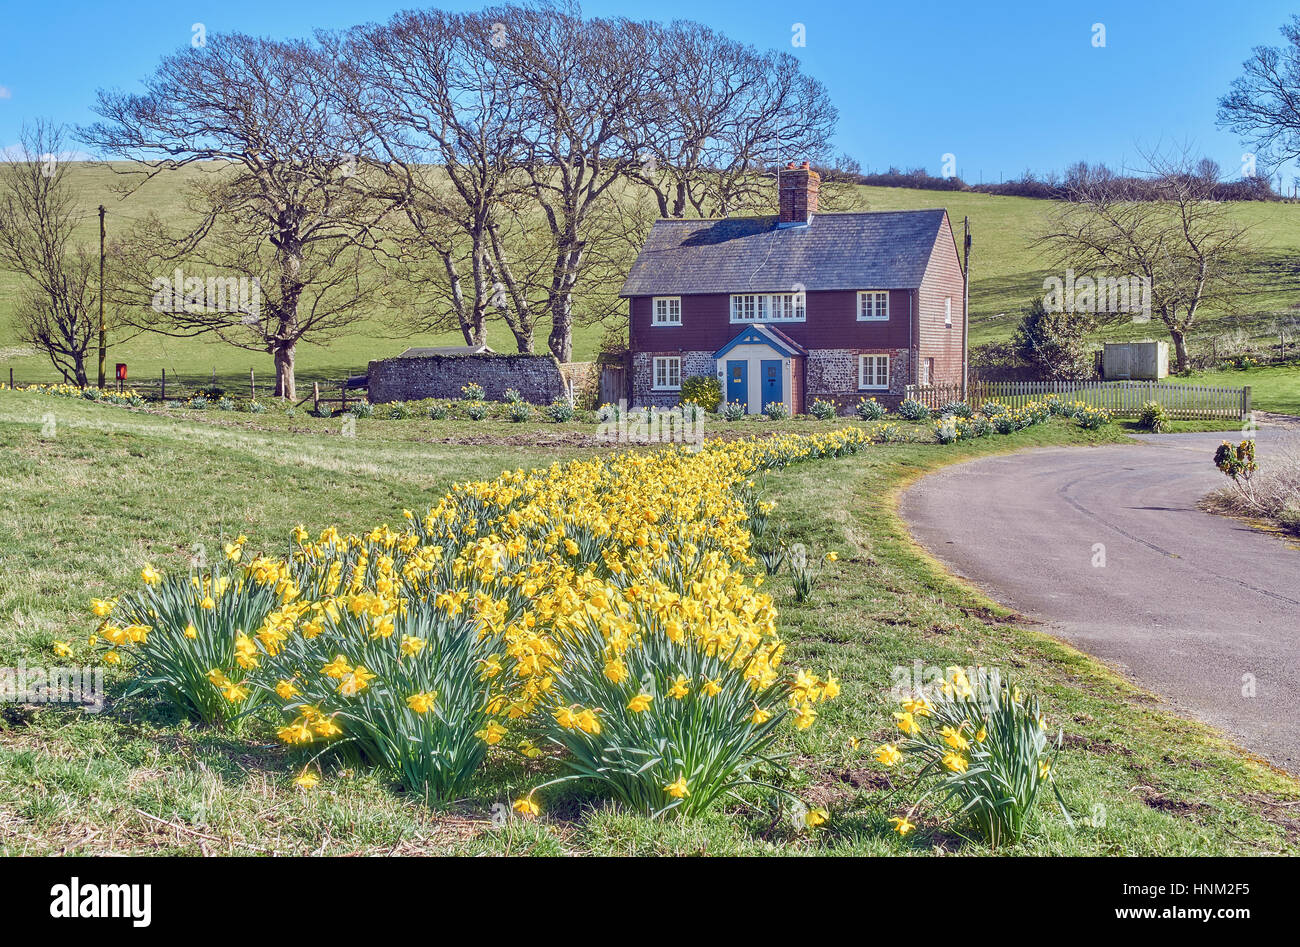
1005,89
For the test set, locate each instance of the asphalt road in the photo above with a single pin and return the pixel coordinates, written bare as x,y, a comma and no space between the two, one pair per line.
1200,609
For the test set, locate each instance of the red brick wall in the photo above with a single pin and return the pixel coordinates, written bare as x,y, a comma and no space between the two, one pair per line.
943,278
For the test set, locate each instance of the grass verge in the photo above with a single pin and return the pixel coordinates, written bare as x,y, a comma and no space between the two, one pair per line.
108,490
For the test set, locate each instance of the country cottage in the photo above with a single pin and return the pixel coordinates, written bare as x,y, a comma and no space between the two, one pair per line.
799,306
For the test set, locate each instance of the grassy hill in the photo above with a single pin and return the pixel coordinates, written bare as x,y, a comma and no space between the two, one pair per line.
1006,273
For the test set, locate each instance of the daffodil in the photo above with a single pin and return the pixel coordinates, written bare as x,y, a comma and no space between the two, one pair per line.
888,754
901,825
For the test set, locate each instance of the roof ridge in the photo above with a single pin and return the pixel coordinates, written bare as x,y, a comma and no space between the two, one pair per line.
829,213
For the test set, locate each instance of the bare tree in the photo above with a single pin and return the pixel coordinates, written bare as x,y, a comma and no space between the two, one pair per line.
58,305
277,198
1263,104
585,85
448,127
1167,230
723,113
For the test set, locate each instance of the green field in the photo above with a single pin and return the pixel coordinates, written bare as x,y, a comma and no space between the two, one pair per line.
103,490
1273,387
1007,271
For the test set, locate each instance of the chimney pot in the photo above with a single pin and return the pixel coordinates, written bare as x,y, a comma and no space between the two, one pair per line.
806,165
789,166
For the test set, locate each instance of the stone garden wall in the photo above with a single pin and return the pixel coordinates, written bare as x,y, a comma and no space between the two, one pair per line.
536,377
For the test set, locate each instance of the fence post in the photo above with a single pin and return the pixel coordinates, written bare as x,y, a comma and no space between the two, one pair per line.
1245,403
315,397
11,378
162,392
252,385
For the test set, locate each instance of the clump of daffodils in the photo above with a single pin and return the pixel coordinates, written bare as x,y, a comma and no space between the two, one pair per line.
983,746
608,603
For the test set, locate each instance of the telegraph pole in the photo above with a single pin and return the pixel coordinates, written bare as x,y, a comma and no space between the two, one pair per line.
965,311
103,334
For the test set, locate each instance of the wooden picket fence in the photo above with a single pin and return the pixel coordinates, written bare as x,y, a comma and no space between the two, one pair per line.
1123,399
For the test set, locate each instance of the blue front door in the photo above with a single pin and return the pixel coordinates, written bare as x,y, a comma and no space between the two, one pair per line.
738,382
772,381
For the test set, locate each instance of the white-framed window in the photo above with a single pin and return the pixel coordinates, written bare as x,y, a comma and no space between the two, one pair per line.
873,305
873,371
768,307
668,373
947,311
666,311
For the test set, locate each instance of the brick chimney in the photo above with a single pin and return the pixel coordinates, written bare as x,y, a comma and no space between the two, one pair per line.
797,189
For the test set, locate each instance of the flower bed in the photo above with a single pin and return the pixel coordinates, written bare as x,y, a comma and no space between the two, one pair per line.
606,605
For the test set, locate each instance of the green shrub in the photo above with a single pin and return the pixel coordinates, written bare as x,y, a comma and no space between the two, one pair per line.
914,410
956,409
362,409
399,411
732,411
437,411
519,411
1090,418
1237,461
476,410
823,410
1153,417
690,411
704,390
776,411
512,396
472,392
869,409
559,410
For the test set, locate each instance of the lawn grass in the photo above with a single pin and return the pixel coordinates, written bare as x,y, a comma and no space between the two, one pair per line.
1007,272
1272,387
112,489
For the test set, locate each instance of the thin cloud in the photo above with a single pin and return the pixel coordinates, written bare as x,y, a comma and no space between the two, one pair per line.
5,93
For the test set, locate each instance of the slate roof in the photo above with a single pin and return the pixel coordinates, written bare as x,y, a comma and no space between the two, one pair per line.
872,250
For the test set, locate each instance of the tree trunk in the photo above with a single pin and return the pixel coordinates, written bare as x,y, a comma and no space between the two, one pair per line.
285,385
561,338
523,340
1180,350
564,276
